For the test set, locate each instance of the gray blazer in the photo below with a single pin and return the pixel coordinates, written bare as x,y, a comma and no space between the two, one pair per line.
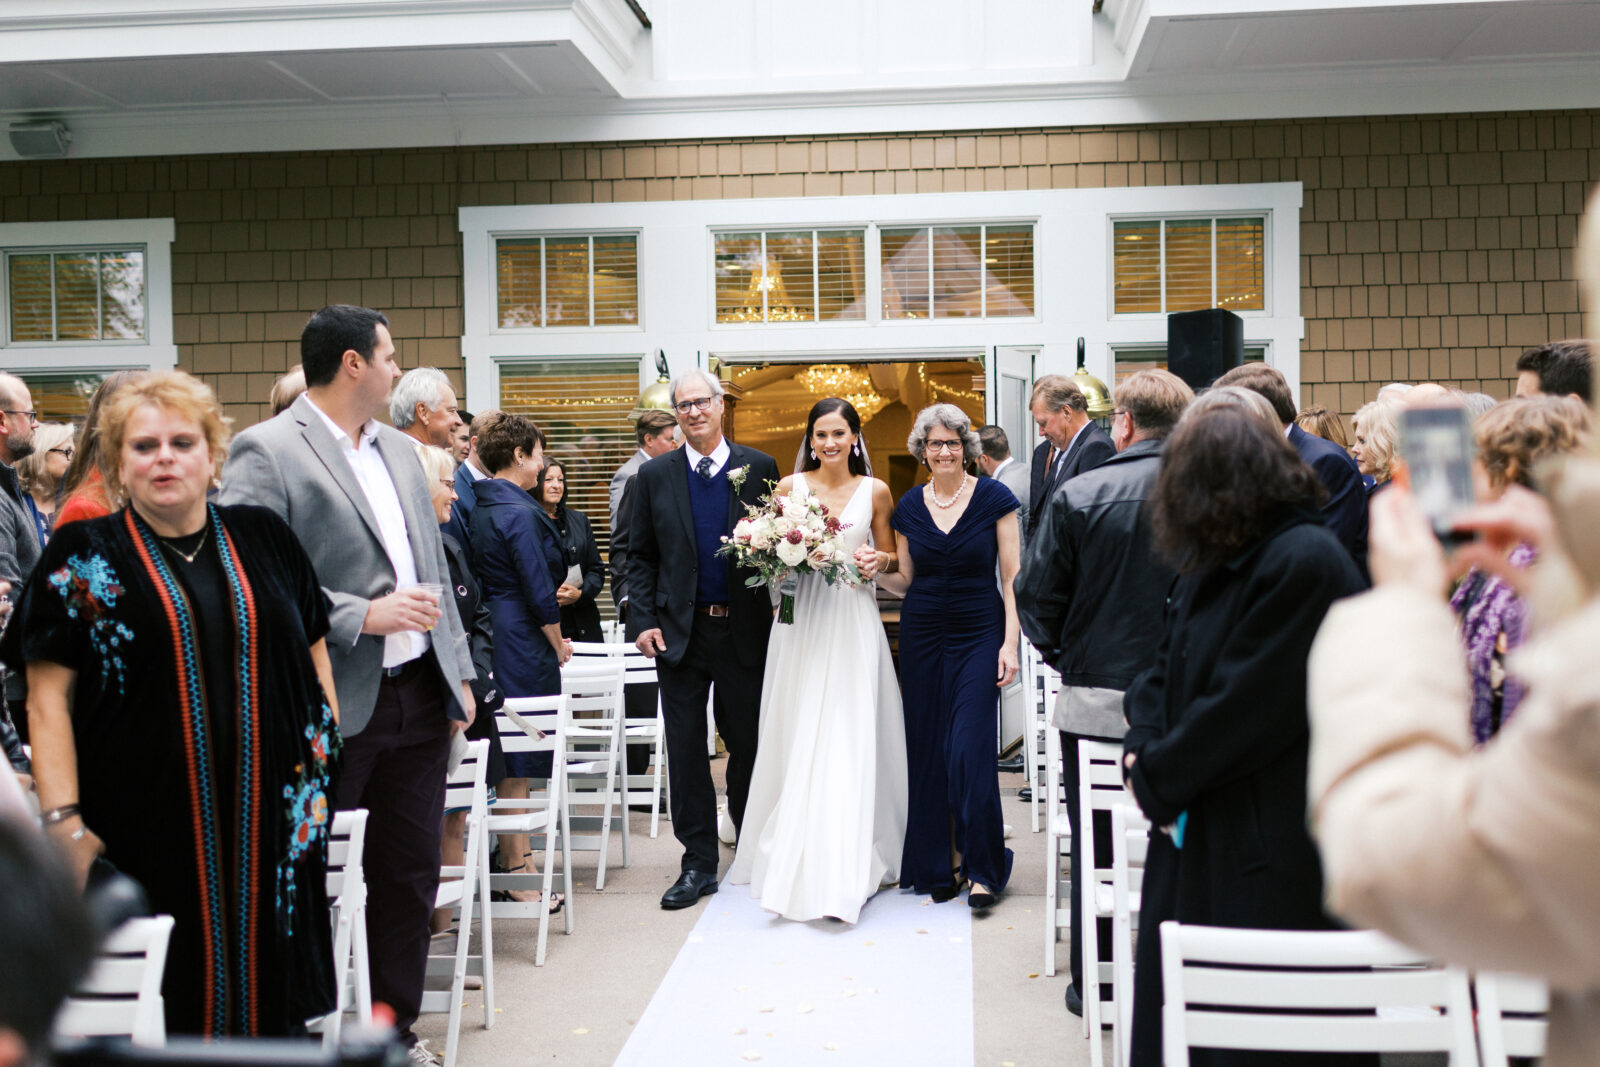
1014,476
619,481
293,465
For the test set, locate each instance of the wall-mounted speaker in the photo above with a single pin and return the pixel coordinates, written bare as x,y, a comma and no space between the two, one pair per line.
39,140
1202,346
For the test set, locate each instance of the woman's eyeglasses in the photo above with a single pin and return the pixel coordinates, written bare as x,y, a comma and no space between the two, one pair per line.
68,451
944,446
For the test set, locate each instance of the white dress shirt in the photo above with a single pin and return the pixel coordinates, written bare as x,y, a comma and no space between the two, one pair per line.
719,456
372,474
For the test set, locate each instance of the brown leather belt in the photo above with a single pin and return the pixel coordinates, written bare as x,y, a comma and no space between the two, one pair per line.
716,611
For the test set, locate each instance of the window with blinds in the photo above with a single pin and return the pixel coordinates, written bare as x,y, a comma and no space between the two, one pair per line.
567,281
585,408
1131,360
62,397
944,272
75,295
789,276
1159,266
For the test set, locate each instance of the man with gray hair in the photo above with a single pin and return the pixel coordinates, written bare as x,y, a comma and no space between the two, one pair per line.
19,515
691,611
1072,442
1091,596
423,406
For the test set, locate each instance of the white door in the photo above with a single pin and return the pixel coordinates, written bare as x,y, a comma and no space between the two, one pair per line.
1010,383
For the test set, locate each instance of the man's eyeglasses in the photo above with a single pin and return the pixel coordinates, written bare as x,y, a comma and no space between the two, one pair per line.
67,451
33,416
944,446
699,403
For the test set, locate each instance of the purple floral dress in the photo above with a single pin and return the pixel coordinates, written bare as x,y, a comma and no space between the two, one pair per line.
1494,621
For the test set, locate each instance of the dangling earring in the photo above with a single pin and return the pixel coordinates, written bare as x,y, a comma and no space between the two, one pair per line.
855,449
813,453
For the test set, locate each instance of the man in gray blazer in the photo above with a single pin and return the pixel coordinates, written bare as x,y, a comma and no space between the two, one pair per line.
995,460
353,492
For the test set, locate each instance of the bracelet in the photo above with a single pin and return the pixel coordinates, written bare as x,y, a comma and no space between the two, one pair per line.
61,814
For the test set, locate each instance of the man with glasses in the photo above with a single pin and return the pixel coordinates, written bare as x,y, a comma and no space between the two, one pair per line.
691,611
19,516
1091,594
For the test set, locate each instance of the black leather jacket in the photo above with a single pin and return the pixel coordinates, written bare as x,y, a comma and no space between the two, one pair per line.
1092,592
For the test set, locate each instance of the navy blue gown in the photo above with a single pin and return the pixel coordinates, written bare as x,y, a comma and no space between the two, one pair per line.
951,627
518,563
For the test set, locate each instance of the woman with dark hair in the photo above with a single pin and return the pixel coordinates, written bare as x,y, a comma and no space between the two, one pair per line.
584,573
826,813
958,639
518,564
83,489
1216,747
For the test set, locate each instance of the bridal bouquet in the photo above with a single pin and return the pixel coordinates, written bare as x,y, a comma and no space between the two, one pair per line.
788,535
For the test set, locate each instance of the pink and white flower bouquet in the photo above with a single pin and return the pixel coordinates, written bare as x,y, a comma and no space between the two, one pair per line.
788,535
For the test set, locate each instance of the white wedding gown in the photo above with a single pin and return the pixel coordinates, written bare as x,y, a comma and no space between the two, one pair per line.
826,816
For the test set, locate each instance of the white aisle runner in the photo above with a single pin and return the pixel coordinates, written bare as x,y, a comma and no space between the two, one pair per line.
747,987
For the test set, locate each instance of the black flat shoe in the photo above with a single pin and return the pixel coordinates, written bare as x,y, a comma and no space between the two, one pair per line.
1074,1001
977,900
943,893
689,888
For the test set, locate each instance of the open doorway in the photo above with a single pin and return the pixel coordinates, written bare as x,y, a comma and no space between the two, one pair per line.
773,398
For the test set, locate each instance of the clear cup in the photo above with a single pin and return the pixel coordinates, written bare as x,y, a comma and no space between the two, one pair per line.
434,591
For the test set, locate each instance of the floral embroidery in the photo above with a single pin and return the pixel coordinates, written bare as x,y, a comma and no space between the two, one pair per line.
306,809
88,588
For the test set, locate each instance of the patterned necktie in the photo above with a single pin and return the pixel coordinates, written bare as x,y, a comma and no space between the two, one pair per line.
704,467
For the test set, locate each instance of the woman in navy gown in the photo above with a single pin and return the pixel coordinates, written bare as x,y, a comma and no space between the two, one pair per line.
518,562
958,649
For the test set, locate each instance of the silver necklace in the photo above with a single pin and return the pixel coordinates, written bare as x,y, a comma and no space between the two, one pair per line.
189,557
947,505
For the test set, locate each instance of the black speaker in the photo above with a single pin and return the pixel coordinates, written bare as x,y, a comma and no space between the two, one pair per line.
1202,346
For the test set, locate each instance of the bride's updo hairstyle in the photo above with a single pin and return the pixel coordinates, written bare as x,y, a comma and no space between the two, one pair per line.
833,405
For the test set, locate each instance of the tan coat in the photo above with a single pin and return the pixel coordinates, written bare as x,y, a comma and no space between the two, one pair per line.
1487,858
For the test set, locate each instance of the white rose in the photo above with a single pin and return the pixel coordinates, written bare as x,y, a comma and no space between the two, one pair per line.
782,525
760,541
791,554
742,531
839,553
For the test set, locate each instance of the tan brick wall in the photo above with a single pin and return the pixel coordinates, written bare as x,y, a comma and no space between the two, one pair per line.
1431,247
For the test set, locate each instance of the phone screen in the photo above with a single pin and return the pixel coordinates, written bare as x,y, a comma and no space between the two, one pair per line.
1436,444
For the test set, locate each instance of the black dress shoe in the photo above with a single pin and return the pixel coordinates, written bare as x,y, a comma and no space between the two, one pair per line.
690,887
1074,1001
1011,766
1025,793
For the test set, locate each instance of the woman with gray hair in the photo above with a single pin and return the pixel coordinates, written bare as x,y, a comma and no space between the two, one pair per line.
960,631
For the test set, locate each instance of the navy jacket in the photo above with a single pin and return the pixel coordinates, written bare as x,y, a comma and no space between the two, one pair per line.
1087,451
1346,509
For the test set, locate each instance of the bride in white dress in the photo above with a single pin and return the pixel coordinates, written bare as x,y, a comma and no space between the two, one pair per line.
826,817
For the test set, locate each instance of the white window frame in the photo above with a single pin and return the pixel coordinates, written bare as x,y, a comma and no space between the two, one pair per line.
545,235
156,351
1265,310
1072,277
867,240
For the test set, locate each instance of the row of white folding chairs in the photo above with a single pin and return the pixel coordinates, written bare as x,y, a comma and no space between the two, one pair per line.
1043,686
1336,991
638,669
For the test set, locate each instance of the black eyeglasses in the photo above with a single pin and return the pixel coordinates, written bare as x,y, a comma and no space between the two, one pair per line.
944,446
33,416
699,403
67,451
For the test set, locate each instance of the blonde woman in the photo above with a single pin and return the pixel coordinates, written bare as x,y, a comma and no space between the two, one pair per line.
41,472
1377,427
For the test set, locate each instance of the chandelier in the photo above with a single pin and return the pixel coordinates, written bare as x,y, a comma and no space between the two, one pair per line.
766,299
844,380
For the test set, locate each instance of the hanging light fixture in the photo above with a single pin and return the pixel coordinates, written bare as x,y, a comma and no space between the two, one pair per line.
846,381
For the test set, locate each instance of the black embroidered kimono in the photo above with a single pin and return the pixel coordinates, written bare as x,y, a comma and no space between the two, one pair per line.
220,812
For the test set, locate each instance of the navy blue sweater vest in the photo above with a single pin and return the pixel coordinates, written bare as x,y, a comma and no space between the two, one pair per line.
709,502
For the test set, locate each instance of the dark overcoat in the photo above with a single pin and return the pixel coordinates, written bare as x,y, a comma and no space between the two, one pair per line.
1219,731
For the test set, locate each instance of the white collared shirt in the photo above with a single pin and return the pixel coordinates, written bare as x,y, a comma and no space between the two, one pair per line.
719,456
473,472
1002,465
372,474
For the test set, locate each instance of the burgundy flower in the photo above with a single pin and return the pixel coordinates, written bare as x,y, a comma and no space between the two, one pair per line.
794,537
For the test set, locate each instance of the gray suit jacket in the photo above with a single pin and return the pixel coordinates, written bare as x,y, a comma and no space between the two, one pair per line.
1014,476
293,465
619,480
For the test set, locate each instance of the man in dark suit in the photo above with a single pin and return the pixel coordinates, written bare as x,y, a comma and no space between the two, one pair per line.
1345,511
469,471
1072,442
694,615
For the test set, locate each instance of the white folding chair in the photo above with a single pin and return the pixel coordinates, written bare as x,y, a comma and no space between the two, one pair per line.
595,758
460,888
1130,843
1308,991
640,670
1058,903
535,724
1100,788
610,631
347,898
1511,1016
1044,686
121,995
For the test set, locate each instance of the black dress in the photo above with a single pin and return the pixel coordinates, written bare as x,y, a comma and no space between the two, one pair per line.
1220,731
580,620
951,627
205,748
479,628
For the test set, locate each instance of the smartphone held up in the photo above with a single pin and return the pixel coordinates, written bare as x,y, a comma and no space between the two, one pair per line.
1436,445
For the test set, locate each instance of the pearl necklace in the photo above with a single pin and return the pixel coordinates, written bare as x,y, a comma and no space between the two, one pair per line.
947,505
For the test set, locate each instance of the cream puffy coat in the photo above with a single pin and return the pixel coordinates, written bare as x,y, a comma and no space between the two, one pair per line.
1487,858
